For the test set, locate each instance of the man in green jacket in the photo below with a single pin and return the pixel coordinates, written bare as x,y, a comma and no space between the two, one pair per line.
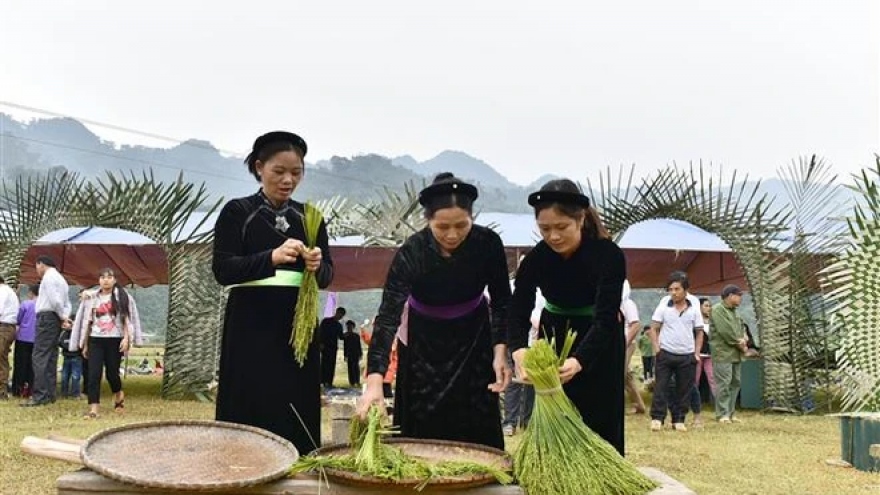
728,346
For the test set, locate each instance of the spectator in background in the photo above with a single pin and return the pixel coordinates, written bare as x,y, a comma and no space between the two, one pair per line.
107,324
705,364
631,325
646,349
8,322
366,331
728,347
22,364
519,398
391,373
677,336
83,294
330,333
351,349
71,368
53,308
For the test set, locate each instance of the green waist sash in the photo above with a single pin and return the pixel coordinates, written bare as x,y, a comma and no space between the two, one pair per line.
282,278
559,310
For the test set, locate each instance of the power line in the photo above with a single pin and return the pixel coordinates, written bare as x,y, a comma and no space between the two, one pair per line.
236,154
316,169
118,157
118,128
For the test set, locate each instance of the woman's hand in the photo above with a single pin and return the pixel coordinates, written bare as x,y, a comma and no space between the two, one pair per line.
124,345
502,371
312,258
518,356
372,395
570,367
288,252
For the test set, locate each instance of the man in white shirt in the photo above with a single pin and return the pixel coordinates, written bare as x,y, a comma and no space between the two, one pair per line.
631,327
53,311
8,321
677,336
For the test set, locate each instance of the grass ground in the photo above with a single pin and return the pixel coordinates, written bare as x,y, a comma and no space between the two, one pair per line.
767,454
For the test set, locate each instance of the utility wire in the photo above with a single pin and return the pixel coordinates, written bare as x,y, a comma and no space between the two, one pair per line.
317,170
117,128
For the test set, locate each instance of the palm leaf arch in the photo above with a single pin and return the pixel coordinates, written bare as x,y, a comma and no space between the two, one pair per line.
745,219
852,285
33,207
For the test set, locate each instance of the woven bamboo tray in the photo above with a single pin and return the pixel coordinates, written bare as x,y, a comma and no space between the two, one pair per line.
189,455
431,451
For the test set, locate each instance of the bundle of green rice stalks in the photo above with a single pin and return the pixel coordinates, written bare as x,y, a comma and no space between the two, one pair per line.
369,456
559,454
306,316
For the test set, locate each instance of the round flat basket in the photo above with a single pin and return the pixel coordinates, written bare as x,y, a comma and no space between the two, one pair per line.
431,451
189,455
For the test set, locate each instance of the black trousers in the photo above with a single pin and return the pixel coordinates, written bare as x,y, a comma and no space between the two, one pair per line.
45,357
354,369
104,353
328,365
22,366
684,368
647,366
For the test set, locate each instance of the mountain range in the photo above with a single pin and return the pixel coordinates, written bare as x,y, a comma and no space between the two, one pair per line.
66,144
58,144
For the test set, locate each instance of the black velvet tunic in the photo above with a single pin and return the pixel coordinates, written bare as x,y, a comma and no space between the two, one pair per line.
592,276
445,368
259,377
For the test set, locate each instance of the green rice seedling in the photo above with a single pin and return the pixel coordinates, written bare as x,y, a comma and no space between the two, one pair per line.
369,456
306,315
559,454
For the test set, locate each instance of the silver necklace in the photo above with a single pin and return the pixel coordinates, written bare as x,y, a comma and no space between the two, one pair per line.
281,223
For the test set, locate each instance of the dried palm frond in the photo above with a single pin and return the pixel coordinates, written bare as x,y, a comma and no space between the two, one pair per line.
853,285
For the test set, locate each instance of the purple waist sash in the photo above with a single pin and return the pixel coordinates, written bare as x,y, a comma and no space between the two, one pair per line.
450,312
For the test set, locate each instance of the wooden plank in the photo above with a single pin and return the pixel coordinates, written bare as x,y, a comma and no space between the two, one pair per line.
86,482
52,449
70,440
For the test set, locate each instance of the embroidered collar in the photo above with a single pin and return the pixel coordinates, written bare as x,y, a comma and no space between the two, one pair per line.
281,223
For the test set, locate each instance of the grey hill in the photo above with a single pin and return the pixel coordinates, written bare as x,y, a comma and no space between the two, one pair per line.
65,144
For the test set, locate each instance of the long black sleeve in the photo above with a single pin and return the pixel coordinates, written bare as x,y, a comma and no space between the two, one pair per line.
522,304
398,286
499,293
230,264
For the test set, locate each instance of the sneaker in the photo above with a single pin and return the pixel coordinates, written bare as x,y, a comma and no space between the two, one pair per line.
679,427
724,420
508,430
697,423
656,425
735,419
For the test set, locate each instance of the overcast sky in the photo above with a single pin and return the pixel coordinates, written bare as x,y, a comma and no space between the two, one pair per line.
529,87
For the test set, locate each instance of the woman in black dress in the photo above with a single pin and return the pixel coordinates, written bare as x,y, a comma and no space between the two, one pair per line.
259,253
452,355
580,272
